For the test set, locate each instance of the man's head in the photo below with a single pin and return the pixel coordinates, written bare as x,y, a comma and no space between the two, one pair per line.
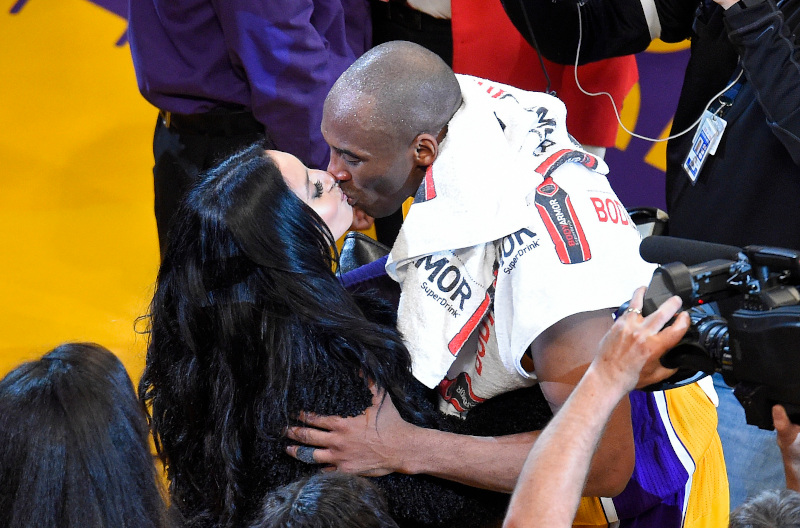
384,119
768,509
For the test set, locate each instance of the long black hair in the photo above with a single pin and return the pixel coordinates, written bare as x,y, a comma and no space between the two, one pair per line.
74,445
248,326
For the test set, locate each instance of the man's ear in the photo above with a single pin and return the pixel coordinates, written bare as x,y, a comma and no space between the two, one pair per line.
426,149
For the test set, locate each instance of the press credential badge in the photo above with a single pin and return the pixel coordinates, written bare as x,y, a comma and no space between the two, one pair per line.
705,143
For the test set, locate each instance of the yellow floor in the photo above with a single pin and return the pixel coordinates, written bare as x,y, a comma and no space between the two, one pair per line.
78,248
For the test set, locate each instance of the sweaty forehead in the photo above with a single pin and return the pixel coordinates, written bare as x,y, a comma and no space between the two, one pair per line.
346,99
352,108
356,125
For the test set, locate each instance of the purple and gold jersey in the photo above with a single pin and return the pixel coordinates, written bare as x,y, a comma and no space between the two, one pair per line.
679,478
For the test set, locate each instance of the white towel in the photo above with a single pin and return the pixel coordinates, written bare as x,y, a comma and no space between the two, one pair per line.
478,200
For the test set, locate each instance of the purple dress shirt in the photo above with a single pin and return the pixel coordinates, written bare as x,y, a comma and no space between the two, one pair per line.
278,58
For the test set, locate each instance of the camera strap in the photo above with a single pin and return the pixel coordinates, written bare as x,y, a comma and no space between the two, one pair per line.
712,126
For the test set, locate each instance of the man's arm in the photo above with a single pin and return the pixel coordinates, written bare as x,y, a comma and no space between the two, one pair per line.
549,488
561,356
380,442
770,56
610,28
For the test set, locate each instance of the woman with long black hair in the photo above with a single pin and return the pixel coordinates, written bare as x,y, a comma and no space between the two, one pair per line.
249,326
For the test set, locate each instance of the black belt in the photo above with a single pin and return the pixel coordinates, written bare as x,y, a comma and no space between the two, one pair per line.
217,122
405,15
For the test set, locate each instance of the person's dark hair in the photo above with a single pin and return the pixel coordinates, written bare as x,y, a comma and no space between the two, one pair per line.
325,500
768,509
249,326
401,88
74,445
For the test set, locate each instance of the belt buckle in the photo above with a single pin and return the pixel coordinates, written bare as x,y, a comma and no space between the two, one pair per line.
166,117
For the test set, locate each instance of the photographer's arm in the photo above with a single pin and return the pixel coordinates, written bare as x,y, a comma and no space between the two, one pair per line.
771,60
549,488
611,28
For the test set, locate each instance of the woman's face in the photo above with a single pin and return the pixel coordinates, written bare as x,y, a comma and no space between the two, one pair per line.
318,189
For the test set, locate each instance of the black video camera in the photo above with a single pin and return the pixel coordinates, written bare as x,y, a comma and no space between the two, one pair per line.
755,342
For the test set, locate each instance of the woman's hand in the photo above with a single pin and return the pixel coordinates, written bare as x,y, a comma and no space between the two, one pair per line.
370,444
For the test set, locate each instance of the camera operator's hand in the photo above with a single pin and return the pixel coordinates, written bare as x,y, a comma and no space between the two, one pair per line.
789,444
630,352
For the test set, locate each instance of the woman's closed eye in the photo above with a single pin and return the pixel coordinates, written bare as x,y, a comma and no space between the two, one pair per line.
319,188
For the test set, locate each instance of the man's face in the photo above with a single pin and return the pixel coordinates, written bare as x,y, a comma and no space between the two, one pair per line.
375,173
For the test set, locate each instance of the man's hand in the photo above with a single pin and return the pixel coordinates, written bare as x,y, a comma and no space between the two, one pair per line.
630,352
369,444
789,444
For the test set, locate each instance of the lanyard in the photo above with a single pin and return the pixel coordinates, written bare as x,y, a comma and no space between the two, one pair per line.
723,103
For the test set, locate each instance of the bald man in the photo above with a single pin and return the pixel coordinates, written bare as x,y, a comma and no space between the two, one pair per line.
510,261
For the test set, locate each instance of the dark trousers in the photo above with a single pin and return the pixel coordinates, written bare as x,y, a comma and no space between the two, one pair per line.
396,21
183,154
